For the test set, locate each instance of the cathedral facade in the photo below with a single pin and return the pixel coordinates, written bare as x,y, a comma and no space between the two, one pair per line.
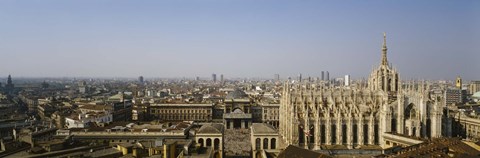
315,115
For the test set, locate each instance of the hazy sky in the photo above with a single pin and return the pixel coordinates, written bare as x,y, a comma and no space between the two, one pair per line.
238,38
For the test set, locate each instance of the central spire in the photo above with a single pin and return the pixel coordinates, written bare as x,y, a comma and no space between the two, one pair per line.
384,50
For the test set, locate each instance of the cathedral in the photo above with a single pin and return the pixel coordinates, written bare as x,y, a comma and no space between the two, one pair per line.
315,115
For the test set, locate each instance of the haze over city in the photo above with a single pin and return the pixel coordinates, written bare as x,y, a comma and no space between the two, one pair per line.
425,39
239,79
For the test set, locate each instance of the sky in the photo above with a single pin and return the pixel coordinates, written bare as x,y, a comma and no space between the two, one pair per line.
435,39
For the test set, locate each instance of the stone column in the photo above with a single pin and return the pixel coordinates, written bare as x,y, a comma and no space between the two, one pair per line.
350,133
387,123
433,123
213,143
288,126
339,130
381,130
306,129
371,134
242,122
437,124
418,134
295,135
400,120
423,132
360,130
327,132
317,133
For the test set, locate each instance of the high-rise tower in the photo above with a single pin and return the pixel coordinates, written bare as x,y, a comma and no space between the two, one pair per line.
327,76
214,78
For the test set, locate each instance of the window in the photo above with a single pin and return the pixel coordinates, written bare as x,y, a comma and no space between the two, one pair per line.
257,144
265,143
273,143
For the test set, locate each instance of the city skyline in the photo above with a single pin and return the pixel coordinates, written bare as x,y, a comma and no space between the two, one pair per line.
426,40
239,78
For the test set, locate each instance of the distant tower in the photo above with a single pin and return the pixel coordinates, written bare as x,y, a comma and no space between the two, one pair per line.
327,76
276,77
221,78
347,80
323,75
45,85
140,79
9,80
197,78
458,83
214,77
299,77
9,86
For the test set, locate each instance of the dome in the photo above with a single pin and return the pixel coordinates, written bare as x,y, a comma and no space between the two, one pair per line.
476,95
237,94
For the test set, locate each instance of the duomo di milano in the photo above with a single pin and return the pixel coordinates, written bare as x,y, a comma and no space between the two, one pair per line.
316,115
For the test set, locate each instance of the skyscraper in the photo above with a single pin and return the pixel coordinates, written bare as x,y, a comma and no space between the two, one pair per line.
347,80
221,78
299,77
323,75
214,77
327,76
140,79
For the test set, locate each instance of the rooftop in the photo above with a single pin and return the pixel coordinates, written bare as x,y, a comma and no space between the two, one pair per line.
263,128
211,128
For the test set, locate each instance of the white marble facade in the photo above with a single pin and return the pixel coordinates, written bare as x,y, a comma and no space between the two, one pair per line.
312,115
